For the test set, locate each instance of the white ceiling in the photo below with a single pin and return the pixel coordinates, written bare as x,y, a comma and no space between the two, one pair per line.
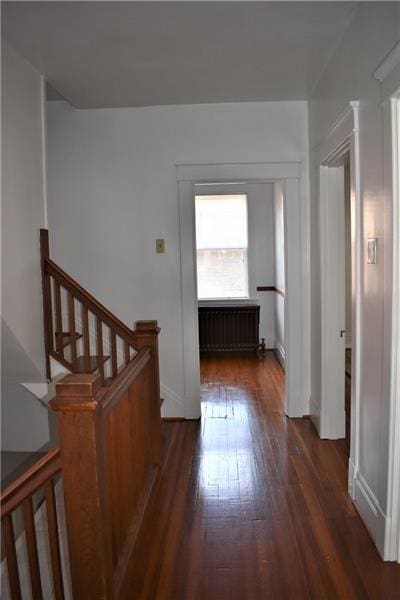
102,54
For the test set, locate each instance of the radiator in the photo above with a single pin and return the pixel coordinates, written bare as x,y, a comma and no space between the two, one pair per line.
229,327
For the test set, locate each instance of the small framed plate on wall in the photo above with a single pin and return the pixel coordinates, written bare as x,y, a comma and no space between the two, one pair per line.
372,243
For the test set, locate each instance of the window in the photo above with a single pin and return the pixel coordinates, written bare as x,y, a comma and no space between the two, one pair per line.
221,239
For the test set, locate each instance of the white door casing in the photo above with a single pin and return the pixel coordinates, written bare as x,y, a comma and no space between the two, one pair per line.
297,354
388,74
391,358
342,139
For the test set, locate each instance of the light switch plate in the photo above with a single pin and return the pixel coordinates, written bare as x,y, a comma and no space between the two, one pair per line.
372,243
160,246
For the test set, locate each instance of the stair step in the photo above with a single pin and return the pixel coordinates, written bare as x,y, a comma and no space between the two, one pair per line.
66,337
94,364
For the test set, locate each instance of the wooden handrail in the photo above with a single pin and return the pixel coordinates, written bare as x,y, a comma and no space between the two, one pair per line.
30,481
112,394
71,313
20,495
90,301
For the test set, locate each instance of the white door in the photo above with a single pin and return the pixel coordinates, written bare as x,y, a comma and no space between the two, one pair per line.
332,244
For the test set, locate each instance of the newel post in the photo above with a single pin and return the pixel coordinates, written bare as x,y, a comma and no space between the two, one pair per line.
146,335
83,470
46,294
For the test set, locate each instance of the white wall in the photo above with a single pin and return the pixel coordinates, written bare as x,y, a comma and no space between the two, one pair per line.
113,190
25,420
261,254
23,214
349,76
260,215
279,259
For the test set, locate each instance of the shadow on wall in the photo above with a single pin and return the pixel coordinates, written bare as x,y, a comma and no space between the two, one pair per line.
16,365
26,424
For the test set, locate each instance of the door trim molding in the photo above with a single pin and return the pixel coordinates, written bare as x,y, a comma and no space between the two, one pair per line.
297,355
343,137
391,359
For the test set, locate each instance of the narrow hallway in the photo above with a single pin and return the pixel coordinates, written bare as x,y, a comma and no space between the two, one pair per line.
250,504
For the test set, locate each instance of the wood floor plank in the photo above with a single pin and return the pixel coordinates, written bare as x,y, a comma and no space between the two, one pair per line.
251,505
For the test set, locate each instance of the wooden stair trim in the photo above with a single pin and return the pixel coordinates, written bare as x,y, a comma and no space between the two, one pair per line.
79,362
66,337
54,354
94,363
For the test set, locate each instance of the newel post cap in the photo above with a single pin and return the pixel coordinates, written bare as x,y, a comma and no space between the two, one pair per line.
76,392
147,327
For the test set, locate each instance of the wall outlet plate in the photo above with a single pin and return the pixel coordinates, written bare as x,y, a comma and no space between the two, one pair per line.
160,246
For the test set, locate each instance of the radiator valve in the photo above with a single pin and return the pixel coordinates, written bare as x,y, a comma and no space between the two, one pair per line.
261,346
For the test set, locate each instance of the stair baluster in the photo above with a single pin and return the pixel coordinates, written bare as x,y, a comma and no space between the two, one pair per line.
72,326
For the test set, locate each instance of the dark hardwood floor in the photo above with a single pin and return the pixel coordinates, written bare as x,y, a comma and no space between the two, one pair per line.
252,505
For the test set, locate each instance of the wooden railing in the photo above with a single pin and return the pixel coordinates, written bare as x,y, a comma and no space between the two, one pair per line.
79,331
110,448
21,497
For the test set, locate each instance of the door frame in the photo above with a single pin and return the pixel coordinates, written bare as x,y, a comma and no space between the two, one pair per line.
342,138
391,390
297,350
388,75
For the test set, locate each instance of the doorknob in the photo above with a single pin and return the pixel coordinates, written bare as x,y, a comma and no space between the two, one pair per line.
342,332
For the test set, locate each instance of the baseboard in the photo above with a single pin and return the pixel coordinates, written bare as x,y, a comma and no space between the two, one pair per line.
280,354
315,415
350,478
369,509
173,406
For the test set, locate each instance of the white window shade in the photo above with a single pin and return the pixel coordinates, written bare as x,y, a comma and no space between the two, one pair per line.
221,240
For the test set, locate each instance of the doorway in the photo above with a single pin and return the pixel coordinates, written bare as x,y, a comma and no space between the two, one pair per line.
297,349
347,301
339,173
235,267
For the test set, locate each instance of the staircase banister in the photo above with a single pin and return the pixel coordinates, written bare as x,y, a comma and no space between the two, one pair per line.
98,426
121,383
90,301
30,481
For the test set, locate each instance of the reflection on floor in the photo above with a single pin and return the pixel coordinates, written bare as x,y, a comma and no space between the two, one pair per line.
253,505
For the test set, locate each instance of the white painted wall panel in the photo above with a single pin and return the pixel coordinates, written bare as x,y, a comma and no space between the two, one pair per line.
23,214
23,209
349,76
261,254
113,191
